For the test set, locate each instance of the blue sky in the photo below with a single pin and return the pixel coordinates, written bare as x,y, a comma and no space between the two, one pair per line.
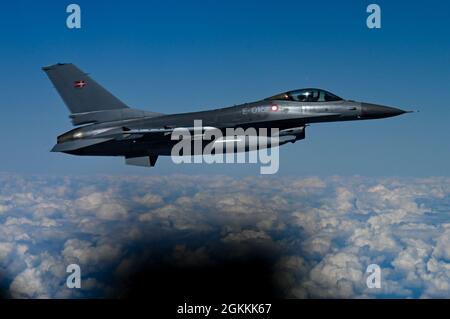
182,56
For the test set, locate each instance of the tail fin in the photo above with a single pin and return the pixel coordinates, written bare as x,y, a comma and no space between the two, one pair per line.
80,93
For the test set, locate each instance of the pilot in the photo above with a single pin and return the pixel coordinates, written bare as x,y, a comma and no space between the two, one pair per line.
314,96
303,97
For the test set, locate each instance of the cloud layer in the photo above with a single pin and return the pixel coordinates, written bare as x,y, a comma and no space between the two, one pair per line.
314,237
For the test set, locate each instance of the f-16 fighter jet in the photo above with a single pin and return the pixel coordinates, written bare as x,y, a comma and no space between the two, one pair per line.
106,126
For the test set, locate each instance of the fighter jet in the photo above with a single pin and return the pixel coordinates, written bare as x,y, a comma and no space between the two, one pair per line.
109,127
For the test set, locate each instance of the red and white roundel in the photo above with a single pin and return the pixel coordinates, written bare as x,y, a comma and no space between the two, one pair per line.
274,108
79,84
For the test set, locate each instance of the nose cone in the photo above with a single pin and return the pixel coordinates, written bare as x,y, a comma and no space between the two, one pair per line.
374,111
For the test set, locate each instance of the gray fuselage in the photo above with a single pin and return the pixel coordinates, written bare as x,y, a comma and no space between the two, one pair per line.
280,114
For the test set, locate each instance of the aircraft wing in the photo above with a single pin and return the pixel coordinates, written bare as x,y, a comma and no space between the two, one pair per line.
126,133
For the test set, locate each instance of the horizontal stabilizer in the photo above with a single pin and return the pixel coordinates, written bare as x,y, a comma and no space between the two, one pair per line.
75,145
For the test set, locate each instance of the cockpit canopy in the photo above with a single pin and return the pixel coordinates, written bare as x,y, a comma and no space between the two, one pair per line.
306,95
